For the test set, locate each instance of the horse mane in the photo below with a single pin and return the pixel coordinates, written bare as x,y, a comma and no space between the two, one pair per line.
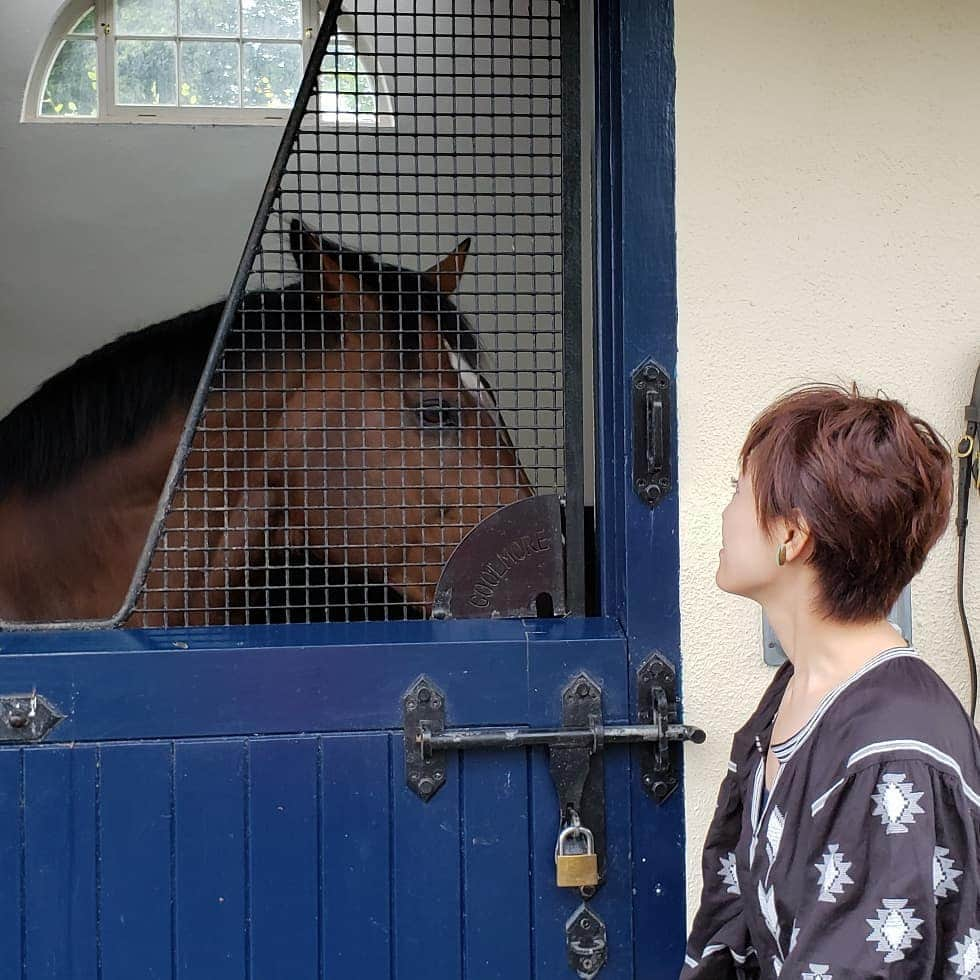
109,399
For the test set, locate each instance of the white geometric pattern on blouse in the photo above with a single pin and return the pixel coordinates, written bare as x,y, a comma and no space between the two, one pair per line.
818,971
966,959
777,965
896,803
793,936
944,873
767,904
729,874
774,833
894,929
833,874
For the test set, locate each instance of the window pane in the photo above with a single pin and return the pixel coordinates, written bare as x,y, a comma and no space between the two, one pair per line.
146,16
272,74
209,17
86,25
271,18
71,88
146,73
209,73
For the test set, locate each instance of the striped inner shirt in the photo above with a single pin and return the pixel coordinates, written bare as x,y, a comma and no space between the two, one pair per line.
785,749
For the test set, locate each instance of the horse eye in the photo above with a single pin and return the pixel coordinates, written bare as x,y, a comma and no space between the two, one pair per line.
438,415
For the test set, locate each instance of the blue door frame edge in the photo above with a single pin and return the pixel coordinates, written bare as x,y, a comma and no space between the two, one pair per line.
636,318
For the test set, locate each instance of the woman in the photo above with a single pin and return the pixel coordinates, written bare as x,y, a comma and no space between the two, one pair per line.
845,840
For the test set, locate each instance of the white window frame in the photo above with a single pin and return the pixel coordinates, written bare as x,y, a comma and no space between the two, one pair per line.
110,112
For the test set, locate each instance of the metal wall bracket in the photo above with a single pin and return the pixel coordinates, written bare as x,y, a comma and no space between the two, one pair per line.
651,432
657,706
585,939
26,717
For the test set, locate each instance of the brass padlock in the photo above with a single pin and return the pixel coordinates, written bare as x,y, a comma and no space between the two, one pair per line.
576,870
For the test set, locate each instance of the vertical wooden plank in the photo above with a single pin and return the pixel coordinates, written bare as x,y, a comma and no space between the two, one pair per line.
209,843
135,826
355,886
11,856
427,918
614,900
59,845
496,900
283,867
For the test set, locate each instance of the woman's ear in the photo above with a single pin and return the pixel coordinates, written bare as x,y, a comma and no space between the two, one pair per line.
795,535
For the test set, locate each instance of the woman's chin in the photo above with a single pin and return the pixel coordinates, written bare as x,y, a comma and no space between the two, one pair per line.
724,581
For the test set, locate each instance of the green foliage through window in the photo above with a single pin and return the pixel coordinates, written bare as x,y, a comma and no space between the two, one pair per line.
239,54
72,86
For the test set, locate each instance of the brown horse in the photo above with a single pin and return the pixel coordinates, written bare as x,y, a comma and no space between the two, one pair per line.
347,421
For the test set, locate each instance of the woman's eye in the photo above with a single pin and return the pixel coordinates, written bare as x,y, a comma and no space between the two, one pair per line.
437,415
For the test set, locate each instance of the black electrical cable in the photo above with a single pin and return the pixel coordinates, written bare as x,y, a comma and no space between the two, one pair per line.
968,457
971,657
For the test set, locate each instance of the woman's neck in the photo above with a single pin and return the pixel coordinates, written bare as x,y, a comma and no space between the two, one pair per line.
824,653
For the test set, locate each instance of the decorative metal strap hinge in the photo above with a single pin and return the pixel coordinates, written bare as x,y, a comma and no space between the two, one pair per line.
26,717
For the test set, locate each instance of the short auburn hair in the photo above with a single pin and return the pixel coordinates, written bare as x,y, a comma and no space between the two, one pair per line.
872,482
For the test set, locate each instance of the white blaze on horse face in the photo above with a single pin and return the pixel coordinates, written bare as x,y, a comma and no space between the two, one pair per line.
471,381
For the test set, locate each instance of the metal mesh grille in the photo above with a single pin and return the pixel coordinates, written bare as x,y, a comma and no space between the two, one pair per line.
391,369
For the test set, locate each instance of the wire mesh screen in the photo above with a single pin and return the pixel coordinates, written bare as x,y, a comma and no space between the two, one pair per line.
390,368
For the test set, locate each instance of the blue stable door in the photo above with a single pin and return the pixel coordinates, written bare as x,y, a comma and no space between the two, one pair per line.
212,810
234,805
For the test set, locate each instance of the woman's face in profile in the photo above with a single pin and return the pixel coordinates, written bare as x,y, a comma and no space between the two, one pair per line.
747,561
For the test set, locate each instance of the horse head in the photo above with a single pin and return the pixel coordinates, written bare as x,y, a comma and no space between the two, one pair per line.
396,448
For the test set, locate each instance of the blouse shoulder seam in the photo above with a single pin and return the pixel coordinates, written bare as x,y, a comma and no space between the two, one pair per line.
900,750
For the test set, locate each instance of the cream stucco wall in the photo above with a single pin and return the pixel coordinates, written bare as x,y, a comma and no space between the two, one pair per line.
828,222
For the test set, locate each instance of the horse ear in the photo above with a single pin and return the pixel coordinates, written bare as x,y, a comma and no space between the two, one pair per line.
448,271
319,261
305,246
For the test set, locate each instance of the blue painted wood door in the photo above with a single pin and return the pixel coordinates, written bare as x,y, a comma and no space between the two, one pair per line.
229,805
233,805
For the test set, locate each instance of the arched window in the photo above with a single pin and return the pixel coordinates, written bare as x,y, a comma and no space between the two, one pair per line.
199,61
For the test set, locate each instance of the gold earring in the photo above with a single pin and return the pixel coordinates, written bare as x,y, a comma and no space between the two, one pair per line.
781,555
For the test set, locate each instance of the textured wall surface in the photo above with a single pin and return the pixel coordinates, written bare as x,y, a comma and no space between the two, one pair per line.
828,215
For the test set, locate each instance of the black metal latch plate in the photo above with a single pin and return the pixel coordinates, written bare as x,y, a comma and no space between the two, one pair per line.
651,432
26,717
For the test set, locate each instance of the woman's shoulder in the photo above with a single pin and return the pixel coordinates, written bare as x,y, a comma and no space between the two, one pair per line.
903,697
901,711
